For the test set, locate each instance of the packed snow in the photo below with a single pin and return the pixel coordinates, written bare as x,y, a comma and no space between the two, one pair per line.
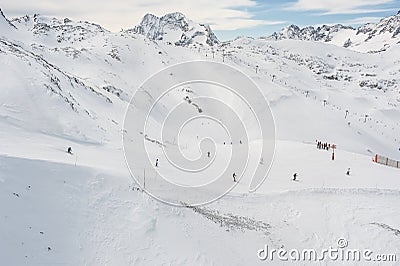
68,84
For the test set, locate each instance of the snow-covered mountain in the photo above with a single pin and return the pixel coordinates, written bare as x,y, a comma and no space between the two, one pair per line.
371,37
389,25
57,30
324,33
68,83
175,28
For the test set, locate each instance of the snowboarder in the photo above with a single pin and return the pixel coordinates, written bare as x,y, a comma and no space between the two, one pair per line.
157,162
69,150
234,177
295,177
348,172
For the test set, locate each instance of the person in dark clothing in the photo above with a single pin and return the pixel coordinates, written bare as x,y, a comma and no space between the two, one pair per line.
348,172
295,177
234,177
157,162
208,154
69,150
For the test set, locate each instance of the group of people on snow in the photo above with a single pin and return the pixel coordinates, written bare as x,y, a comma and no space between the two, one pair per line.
323,145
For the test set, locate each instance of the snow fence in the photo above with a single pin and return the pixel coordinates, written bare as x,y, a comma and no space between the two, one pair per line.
386,161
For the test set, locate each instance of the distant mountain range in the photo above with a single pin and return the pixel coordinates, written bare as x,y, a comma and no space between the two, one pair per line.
371,37
176,29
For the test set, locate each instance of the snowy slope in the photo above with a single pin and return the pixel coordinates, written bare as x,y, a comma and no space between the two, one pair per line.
67,83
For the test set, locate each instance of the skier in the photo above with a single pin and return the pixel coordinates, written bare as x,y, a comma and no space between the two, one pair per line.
348,172
69,150
157,162
208,154
295,177
234,177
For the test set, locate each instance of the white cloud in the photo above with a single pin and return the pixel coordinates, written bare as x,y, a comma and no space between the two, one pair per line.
340,6
362,20
356,11
117,14
354,21
234,24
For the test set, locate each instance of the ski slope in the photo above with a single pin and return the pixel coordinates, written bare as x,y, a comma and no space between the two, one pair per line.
73,91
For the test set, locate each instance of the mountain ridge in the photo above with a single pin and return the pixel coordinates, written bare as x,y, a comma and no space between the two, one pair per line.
176,29
385,31
159,28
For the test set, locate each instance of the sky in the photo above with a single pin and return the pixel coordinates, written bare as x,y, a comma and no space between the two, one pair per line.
227,18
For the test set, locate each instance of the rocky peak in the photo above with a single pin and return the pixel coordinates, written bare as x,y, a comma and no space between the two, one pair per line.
175,28
309,33
389,24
